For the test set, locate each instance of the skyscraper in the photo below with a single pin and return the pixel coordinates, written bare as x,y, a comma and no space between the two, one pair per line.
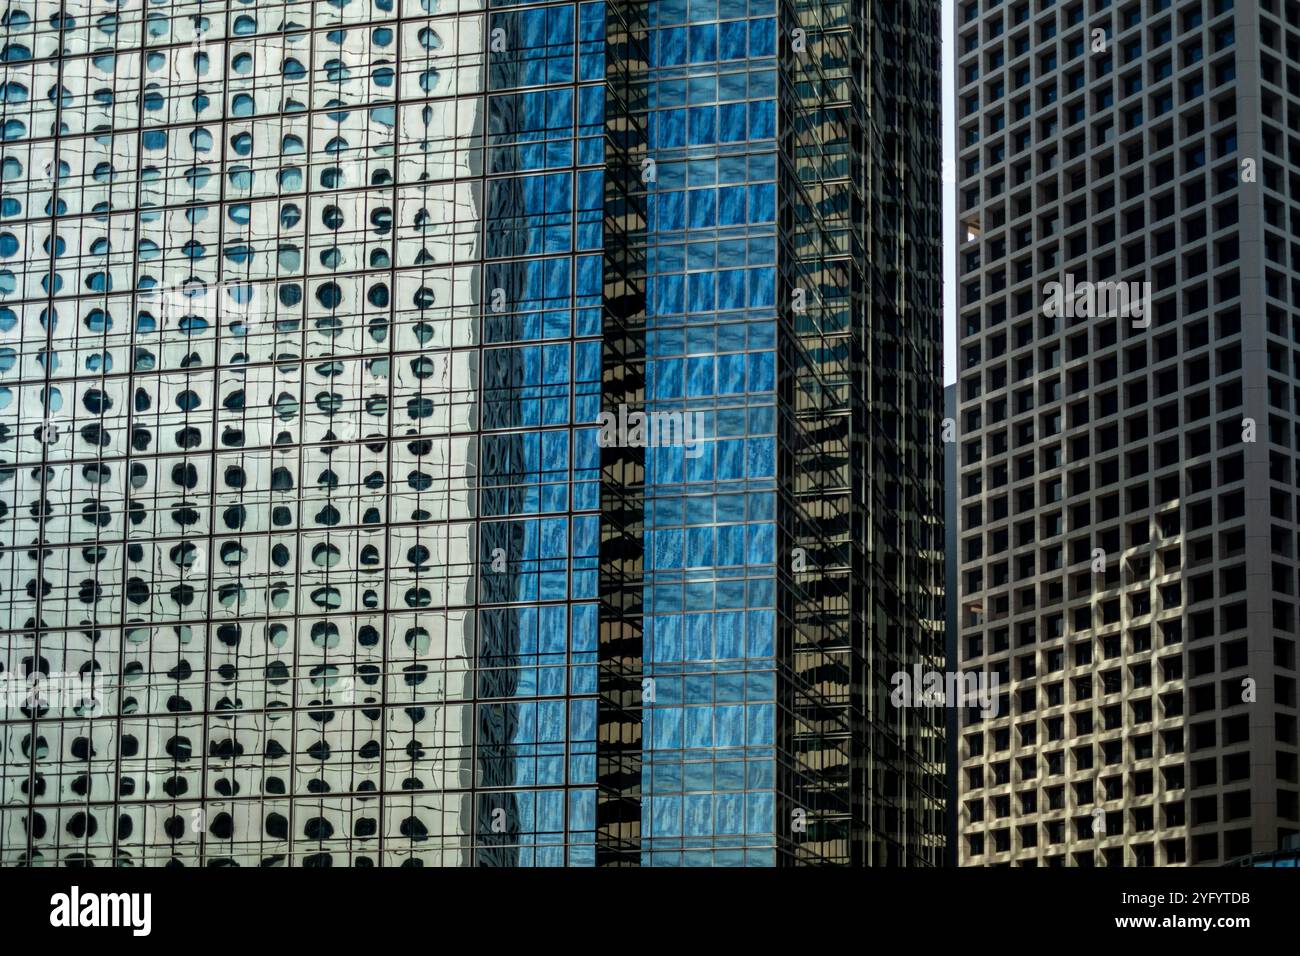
1127,451
952,723
329,531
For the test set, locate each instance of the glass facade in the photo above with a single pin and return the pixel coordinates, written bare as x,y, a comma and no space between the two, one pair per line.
710,521
312,552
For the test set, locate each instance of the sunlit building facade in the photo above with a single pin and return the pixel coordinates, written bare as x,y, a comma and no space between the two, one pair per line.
311,550
1128,536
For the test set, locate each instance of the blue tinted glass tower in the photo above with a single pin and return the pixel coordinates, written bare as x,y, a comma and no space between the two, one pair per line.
313,548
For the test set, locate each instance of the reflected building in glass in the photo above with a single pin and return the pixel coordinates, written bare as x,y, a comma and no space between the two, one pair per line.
328,535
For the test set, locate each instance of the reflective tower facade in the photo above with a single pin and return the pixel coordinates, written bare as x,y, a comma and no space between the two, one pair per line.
314,550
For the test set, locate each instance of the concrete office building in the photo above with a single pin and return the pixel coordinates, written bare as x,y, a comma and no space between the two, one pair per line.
952,737
1128,462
